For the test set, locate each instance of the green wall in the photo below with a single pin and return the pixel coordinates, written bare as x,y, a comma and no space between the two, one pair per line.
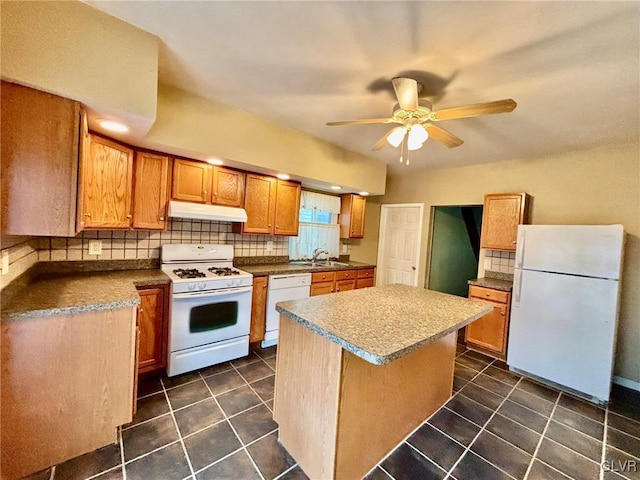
452,259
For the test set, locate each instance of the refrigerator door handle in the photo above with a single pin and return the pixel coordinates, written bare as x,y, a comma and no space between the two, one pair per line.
517,287
520,248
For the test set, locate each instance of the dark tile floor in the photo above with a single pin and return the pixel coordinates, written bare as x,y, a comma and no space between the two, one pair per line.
217,424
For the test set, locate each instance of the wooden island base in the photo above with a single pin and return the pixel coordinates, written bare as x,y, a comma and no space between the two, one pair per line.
340,415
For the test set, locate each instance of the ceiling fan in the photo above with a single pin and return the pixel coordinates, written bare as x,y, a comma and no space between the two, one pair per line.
417,118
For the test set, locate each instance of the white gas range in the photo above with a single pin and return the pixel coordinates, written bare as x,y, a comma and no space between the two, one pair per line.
210,308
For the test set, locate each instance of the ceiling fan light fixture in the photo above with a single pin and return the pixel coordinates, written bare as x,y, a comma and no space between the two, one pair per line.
417,136
395,137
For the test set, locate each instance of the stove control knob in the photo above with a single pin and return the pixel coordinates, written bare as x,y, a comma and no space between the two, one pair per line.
229,283
237,282
191,286
201,285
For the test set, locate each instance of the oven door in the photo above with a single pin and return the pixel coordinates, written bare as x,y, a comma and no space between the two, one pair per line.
200,318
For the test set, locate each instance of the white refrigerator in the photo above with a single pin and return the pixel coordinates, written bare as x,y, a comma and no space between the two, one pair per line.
564,309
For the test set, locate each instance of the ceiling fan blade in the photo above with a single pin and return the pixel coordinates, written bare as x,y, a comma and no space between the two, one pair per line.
407,92
364,121
441,135
468,111
381,143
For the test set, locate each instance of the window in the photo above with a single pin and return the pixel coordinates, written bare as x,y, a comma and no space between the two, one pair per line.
318,226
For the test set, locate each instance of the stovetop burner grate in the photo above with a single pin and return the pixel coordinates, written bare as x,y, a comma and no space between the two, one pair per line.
224,271
189,273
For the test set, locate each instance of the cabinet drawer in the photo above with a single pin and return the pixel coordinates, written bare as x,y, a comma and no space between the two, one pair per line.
344,285
346,274
364,282
489,294
366,273
321,288
323,277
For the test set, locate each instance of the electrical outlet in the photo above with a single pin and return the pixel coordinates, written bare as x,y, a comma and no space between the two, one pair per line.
345,248
95,247
5,262
487,263
269,246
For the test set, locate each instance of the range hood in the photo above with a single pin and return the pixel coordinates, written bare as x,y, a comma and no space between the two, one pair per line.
198,211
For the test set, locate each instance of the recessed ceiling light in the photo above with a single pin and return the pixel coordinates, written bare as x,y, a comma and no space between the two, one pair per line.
364,194
215,161
283,176
335,187
113,126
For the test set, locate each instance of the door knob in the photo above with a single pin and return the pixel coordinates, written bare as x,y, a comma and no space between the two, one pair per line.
413,268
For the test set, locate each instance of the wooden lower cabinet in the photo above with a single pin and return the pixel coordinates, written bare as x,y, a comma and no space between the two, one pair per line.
67,384
323,283
489,334
258,309
153,323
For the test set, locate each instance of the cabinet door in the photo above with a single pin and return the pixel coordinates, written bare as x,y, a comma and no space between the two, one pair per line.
228,187
150,191
364,282
106,172
501,216
258,309
191,181
490,331
259,202
39,168
357,216
344,285
287,208
321,288
152,321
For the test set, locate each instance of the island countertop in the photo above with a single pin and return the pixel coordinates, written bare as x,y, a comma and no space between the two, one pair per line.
382,324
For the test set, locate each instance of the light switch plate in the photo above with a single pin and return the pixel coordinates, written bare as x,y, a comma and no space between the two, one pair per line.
269,246
345,248
95,247
487,264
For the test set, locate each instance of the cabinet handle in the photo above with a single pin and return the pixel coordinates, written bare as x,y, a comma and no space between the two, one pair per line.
129,216
87,214
514,242
162,219
346,274
337,289
331,291
269,225
141,310
204,192
215,193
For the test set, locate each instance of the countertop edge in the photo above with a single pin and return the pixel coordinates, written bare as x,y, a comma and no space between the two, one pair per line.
50,312
259,270
378,359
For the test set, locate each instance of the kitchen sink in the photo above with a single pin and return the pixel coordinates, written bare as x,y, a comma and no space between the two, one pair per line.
320,263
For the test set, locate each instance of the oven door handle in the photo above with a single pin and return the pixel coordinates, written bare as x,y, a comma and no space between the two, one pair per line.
216,293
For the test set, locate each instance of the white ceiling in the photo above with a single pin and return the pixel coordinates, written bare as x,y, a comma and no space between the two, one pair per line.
572,67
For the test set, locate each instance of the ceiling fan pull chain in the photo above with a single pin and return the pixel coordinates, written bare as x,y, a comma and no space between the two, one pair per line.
407,161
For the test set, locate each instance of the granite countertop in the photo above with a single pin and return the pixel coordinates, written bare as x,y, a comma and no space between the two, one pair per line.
259,270
494,283
60,294
382,324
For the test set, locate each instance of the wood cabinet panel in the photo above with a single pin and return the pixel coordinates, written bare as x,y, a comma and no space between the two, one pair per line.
40,151
287,208
258,309
346,274
366,273
259,202
153,324
67,384
501,216
322,288
365,282
323,277
345,285
489,334
228,187
150,191
352,209
191,181
106,177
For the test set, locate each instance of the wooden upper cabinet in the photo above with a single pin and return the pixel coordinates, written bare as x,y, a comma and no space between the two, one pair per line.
287,208
501,216
228,187
40,136
105,183
259,202
150,191
191,181
352,208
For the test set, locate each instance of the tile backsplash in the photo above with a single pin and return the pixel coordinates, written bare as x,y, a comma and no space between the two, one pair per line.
502,262
21,256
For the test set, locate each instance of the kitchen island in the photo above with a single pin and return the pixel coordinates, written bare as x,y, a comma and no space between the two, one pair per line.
357,371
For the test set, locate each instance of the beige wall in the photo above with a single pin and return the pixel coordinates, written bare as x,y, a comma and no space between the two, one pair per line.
189,123
596,186
75,51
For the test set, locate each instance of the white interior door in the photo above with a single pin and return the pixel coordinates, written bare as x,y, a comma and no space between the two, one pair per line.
399,247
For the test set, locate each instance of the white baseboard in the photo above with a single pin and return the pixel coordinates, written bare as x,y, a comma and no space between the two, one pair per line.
625,382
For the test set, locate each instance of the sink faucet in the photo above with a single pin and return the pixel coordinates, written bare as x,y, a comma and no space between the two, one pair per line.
317,252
